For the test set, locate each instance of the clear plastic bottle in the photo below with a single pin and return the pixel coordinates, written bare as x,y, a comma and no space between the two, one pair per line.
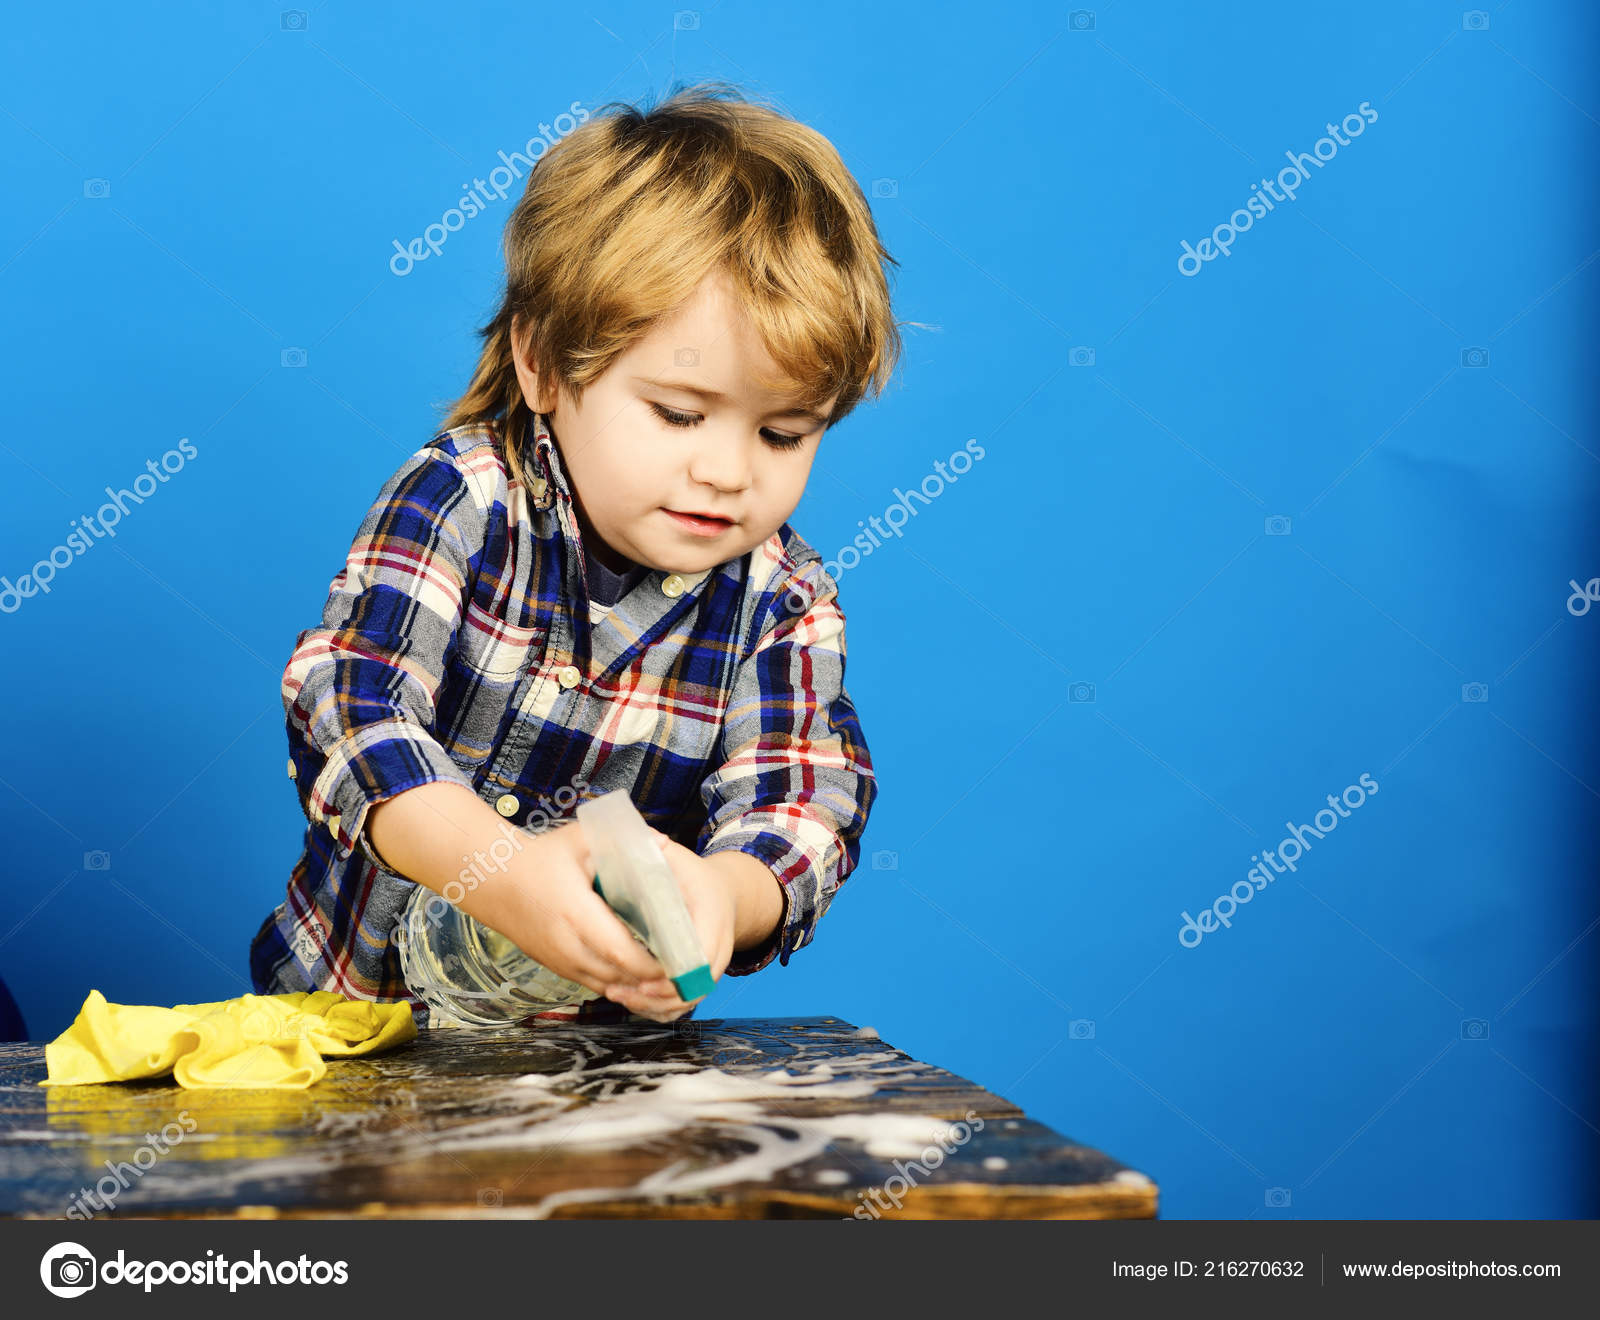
470,975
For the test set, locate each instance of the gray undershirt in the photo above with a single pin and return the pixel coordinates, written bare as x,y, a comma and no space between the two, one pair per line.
607,587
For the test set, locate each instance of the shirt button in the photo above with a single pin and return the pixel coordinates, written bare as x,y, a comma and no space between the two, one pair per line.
293,773
506,804
672,585
568,676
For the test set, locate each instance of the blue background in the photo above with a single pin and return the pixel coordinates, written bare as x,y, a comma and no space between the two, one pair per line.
1030,856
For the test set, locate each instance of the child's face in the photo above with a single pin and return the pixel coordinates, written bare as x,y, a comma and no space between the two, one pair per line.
645,445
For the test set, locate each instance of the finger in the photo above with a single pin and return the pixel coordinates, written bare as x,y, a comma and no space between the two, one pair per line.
646,1003
667,998
591,975
715,945
575,960
604,972
609,941
653,991
655,1016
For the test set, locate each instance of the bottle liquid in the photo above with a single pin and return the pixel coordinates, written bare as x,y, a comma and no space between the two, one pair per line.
470,975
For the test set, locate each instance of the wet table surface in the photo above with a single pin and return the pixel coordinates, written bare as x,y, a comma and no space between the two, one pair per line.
736,1118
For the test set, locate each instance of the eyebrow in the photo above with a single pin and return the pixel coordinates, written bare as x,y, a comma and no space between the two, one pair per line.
807,413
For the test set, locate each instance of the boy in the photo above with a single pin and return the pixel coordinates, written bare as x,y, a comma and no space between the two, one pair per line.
586,581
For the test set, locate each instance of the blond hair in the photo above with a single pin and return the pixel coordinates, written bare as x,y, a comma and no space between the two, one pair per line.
623,218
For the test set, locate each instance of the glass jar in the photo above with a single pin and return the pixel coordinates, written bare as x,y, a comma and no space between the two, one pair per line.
470,975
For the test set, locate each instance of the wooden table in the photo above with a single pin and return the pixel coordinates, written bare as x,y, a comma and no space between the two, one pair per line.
734,1118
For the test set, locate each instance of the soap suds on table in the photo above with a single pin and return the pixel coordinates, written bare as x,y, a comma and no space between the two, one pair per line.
628,1104
730,1105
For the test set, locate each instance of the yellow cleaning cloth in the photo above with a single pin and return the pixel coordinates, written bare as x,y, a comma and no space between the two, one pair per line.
254,1040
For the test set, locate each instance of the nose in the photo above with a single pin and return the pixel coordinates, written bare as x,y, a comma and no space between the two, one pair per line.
721,462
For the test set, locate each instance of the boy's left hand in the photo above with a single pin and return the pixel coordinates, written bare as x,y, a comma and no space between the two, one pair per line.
709,895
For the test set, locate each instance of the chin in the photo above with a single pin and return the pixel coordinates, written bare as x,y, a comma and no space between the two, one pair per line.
682,563
692,559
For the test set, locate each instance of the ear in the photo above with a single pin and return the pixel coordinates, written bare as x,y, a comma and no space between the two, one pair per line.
535,392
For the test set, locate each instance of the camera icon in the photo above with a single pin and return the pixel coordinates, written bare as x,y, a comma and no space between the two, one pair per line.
1080,1029
97,188
97,860
68,1270
258,1024
1474,692
1277,525
292,20
1474,1028
687,1029
886,187
686,20
1081,692
73,1272
292,357
1278,1198
490,1196
885,860
1474,357
1081,356
1081,20
1475,20
686,357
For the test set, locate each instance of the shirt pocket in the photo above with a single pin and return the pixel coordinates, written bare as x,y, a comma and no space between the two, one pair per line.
494,647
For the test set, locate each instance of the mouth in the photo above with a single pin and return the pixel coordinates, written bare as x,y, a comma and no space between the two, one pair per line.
700,524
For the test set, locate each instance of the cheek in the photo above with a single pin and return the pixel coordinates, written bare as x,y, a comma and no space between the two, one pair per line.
782,488
625,479
638,482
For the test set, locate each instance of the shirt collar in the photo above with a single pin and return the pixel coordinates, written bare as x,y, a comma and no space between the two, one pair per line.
549,474
551,480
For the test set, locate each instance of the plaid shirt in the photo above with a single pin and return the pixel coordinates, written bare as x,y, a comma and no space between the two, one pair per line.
459,643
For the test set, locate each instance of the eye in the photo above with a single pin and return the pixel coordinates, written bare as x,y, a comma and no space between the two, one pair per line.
776,439
673,418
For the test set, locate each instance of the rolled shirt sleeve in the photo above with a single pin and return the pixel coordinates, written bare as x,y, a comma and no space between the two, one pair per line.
796,783
360,691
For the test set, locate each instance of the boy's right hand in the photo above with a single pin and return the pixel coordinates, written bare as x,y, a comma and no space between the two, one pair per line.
544,902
